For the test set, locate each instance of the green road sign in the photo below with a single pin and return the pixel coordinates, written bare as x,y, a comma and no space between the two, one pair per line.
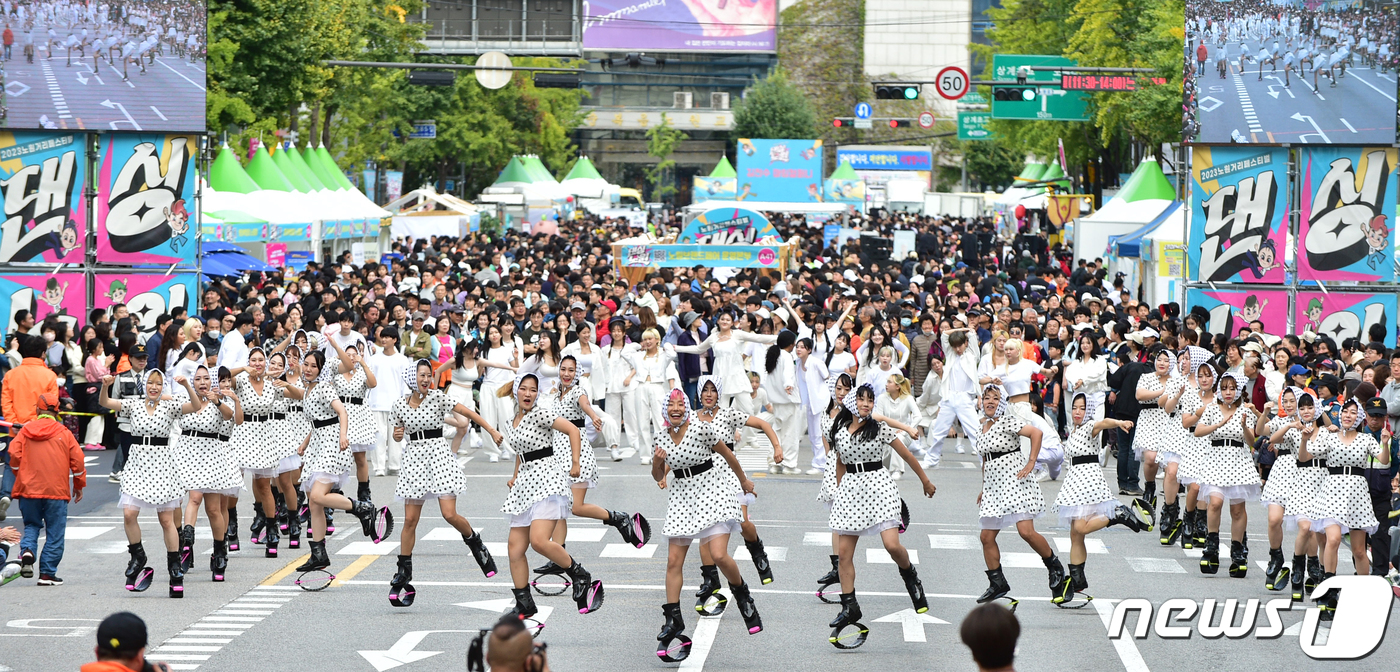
973,126
973,98
1047,102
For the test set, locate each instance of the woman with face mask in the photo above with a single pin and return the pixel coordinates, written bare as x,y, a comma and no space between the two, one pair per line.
1230,475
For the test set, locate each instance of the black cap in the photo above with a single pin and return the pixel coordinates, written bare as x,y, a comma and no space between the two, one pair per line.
1376,406
121,633
137,350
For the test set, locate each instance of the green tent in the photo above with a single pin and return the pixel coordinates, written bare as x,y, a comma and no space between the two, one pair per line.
1147,182
265,172
583,169
299,164
329,166
226,174
1031,172
723,168
515,172
536,168
1052,172
314,164
294,176
844,172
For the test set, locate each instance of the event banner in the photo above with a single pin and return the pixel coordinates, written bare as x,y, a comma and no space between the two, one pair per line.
145,200
1347,223
44,295
145,296
711,256
787,171
1232,310
1239,214
42,177
886,158
680,25
713,188
1344,315
727,226
846,191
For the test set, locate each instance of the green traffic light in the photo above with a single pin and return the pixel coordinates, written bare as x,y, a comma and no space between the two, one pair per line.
911,92
1028,94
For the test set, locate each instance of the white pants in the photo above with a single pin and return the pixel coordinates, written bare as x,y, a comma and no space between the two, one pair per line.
95,427
622,412
607,438
950,411
646,400
742,402
462,395
787,424
496,412
1051,452
387,453
814,435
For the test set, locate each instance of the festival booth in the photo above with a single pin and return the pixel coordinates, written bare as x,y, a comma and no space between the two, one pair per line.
1005,206
845,186
1143,200
724,238
588,188
721,184
525,192
423,213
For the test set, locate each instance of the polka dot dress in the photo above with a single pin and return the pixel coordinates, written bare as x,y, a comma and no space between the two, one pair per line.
536,480
1175,444
703,501
255,443
1152,431
429,469
569,409
1084,493
1229,469
829,474
1344,500
206,464
362,429
1195,448
866,502
725,423
1285,472
149,479
288,432
324,460
1307,482
1005,498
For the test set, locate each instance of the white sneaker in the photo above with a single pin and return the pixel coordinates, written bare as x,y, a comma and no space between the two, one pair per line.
896,475
959,447
775,469
114,477
494,458
929,463
814,471
1040,474
615,453
791,471
646,459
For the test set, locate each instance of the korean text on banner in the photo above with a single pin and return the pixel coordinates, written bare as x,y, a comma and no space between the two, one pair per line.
1347,227
42,178
710,256
61,296
1346,315
145,200
659,25
788,171
146,296
1239,214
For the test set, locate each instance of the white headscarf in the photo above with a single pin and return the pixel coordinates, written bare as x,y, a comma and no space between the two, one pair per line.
709,380
666,401
1001,402
410,375
850,401
519,378
1360,413
1089,407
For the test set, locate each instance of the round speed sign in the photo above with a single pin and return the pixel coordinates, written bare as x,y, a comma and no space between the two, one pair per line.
952,82
926,120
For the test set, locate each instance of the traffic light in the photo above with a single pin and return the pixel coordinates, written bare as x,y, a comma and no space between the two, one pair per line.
432,77
901,123
897,91
551,81
1014,93
839,122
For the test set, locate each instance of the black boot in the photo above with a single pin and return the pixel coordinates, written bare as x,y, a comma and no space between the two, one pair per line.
634,528
231,534
674,625
1201,531
549,567
363,493
760,560
1125,516
588,594
372,519
1276,574
1077,577
1055,569
524,604
747,608
282,514
1239,560
303,509
271,538
850,611
834,575
481,553
259,524
186,548
998,587
177,574
1315,574
136,565
915,588
1188,532
1171,524
218,561
709,585
1327,603
1299,572
293,531
1210,557
318,560
400,593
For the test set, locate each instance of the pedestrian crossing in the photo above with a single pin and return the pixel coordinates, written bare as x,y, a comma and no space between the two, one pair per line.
196,644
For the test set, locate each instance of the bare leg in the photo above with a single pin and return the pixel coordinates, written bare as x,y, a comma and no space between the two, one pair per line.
217,512
846,550
896,550
675,570
719,550
1078,552
131,526
1239,521
411,512
171,534
991,553
1037,543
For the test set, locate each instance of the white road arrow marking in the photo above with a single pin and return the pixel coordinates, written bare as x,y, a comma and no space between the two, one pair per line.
1303,117
402,653
81,78
913,623
500,606
119,106
1281,86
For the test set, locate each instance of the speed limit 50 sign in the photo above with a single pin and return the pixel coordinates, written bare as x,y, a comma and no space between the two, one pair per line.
952,82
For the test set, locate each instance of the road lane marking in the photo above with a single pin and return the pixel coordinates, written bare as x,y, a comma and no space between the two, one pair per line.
182,75
354,568
277,576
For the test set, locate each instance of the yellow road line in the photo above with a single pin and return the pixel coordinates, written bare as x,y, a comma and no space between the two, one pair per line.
277,576
355,568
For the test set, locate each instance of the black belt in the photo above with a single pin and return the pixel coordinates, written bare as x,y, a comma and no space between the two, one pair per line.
203,435
225,437
150,440
266,417
537,454
695,470
992,456
324,423
1285,451
1226,443
293,408
352,400
1346,471
863,467
729,444
578,423
1083,459
425,434
1304,464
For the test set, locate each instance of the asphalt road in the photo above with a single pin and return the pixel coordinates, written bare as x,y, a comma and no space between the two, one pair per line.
1279,108
258,619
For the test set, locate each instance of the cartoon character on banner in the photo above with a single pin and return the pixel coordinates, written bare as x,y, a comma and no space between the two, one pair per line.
1237,229
1252,310
116,292
53,296
64,240
1263,259
1378,243
146,208
1313,321
38,215
1347,225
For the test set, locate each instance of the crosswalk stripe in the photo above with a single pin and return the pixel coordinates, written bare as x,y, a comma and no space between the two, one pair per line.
775,553
628,551
879,556
1062,544
1155,565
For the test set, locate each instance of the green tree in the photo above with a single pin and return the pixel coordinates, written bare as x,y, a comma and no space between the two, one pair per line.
662,140
774,108
991,164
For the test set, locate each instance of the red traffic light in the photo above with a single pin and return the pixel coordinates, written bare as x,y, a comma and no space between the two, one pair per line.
899,123
836,123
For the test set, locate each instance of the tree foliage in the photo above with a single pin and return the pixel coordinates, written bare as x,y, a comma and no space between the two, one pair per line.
774,108
662,140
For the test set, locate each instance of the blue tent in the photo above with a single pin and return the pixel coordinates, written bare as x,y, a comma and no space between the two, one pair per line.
1130,245
224,259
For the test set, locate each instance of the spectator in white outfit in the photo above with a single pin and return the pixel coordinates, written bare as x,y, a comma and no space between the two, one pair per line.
959,392
779,380
811,383
388,366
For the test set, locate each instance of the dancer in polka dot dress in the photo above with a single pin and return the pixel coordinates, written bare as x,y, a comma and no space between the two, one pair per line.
1085,503
1284,439
1174,447
353,384
1343,503
289,426
1307,481
327,460
866,500
1199,394
540,495
259,449
150,480
1230,474
702,506
1009,496
206,466
1152,433
430,469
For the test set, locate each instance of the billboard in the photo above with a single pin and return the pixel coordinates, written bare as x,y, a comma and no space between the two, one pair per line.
710,256
145,200
680,25
727,226
62,295
788,171
42,177
1306,81
145,296
1346,230
1231,310
713,188
133,66
1239,214
1346,315
886,158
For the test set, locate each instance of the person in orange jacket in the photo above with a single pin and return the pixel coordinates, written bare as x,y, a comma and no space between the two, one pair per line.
43,456
19,394
121,646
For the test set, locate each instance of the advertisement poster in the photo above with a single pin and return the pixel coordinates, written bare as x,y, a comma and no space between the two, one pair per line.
43,294
1347,223
680,25
1239,214
788,171
733,256
146,296
1232,310
1346,315
846,191
886,158
712,188
727,226
145,200
41,175
276,254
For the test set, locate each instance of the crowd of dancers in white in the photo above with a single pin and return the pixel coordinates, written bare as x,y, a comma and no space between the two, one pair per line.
133,32
297,422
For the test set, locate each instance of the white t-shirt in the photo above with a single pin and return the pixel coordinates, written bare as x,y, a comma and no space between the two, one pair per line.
388,377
